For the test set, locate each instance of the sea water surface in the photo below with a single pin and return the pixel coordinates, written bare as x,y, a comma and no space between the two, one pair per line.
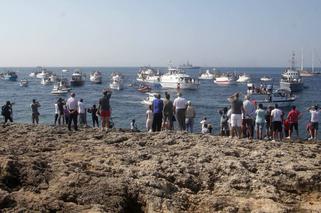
126,104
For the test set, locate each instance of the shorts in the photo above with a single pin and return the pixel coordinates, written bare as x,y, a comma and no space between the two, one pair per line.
236,120
277,126
248,122
295,125
259,126
105,113
315,125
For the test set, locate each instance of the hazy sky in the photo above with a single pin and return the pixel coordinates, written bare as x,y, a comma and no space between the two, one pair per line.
142,32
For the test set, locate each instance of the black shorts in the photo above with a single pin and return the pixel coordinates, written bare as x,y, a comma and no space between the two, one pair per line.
295,125
277,126
315,125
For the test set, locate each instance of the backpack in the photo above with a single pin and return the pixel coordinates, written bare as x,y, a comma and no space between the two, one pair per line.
4,110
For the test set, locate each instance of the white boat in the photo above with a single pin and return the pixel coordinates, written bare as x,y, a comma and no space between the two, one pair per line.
117,81
266,79
96,77
207,75
224,80
53,78
60,88
291,79
43,74
33,74
77,79
45,81
178,79
24,83
148,75
149,99
281,97
243,78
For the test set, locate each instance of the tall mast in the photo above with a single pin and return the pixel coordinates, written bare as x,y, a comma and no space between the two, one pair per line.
302,59
293,61
312,60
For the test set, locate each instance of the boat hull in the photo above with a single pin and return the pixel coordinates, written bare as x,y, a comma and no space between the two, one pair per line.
179,85
77,83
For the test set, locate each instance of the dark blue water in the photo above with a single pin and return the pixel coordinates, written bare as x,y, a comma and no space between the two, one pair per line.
126,104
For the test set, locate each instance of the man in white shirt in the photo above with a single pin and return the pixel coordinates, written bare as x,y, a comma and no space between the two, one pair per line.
180,105
82,112
314,111
276,121
72,106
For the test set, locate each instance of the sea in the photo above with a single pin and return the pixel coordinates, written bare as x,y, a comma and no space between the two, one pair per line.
127,104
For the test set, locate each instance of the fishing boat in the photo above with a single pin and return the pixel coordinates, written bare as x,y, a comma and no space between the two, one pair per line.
24,83
96,77
178,79
148,74
117,81
149,99
266,79
77,79
207,75
243,78
60,88
291,79
10,76
225,80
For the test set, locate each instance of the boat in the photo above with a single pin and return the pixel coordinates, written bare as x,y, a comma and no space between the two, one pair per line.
45,81
35,73
188,66
24,83
60,88
243,78
96,77
43,74
266,79
117,81
148,74
53,78
144,88
207,75
77,79
178,79
225,80
149,99
291,79
10,76
304,72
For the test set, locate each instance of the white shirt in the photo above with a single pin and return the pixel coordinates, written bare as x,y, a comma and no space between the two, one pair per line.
180,103
204,130
276,115
203,122
72,103
81,107
314,116
56,108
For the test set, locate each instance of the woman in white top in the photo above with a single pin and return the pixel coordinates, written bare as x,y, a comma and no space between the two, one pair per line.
149,118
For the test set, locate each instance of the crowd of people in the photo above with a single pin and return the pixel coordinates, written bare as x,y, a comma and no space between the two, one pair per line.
242,118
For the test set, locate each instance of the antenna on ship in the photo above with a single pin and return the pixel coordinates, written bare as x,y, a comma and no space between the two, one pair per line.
302,59
293,61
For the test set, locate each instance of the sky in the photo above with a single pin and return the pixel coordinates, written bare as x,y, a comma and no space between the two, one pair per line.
230,33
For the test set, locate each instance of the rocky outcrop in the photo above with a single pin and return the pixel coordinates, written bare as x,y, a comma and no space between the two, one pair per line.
49,169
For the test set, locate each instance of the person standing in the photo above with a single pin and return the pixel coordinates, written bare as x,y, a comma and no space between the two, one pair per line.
168,112
158,107
179,106
6,112
66,114
104,109
35,113
248,116
72,106
268,122
190,115
236,114
149,118
314,112
293,119
82,113
259,121
224,126
93,110
276,121
56,113
61,117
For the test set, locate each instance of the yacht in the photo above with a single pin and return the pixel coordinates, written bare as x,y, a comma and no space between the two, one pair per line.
60,88
291,79
35,73
207,75
77,79
148,75
178,79
24,83
243,78
225,80
96,77
117,81
43,74
266,79
10,76
45,81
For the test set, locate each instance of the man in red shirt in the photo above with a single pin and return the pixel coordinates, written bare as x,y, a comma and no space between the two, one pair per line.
293,118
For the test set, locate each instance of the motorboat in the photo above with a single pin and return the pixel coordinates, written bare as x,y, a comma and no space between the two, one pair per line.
291,79
243,78
143,88
207,75
35,73
266,79
24,83
10,76
148,75
149,99
43,74
45,81
117,81
60,88
96,77
53,78
77,79
225,80
178,79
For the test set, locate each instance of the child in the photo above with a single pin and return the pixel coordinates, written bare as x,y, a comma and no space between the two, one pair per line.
203,122
133,126
205,129
149,118
94,116
224,122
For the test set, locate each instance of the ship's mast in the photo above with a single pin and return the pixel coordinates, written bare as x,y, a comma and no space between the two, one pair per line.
293,61
302,59
312,61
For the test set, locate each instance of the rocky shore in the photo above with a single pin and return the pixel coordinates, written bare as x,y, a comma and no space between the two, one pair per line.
49,169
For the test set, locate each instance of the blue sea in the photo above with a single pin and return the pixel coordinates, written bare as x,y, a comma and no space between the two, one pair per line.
126,104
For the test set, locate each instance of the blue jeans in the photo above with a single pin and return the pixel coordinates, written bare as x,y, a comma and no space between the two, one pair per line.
189,124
